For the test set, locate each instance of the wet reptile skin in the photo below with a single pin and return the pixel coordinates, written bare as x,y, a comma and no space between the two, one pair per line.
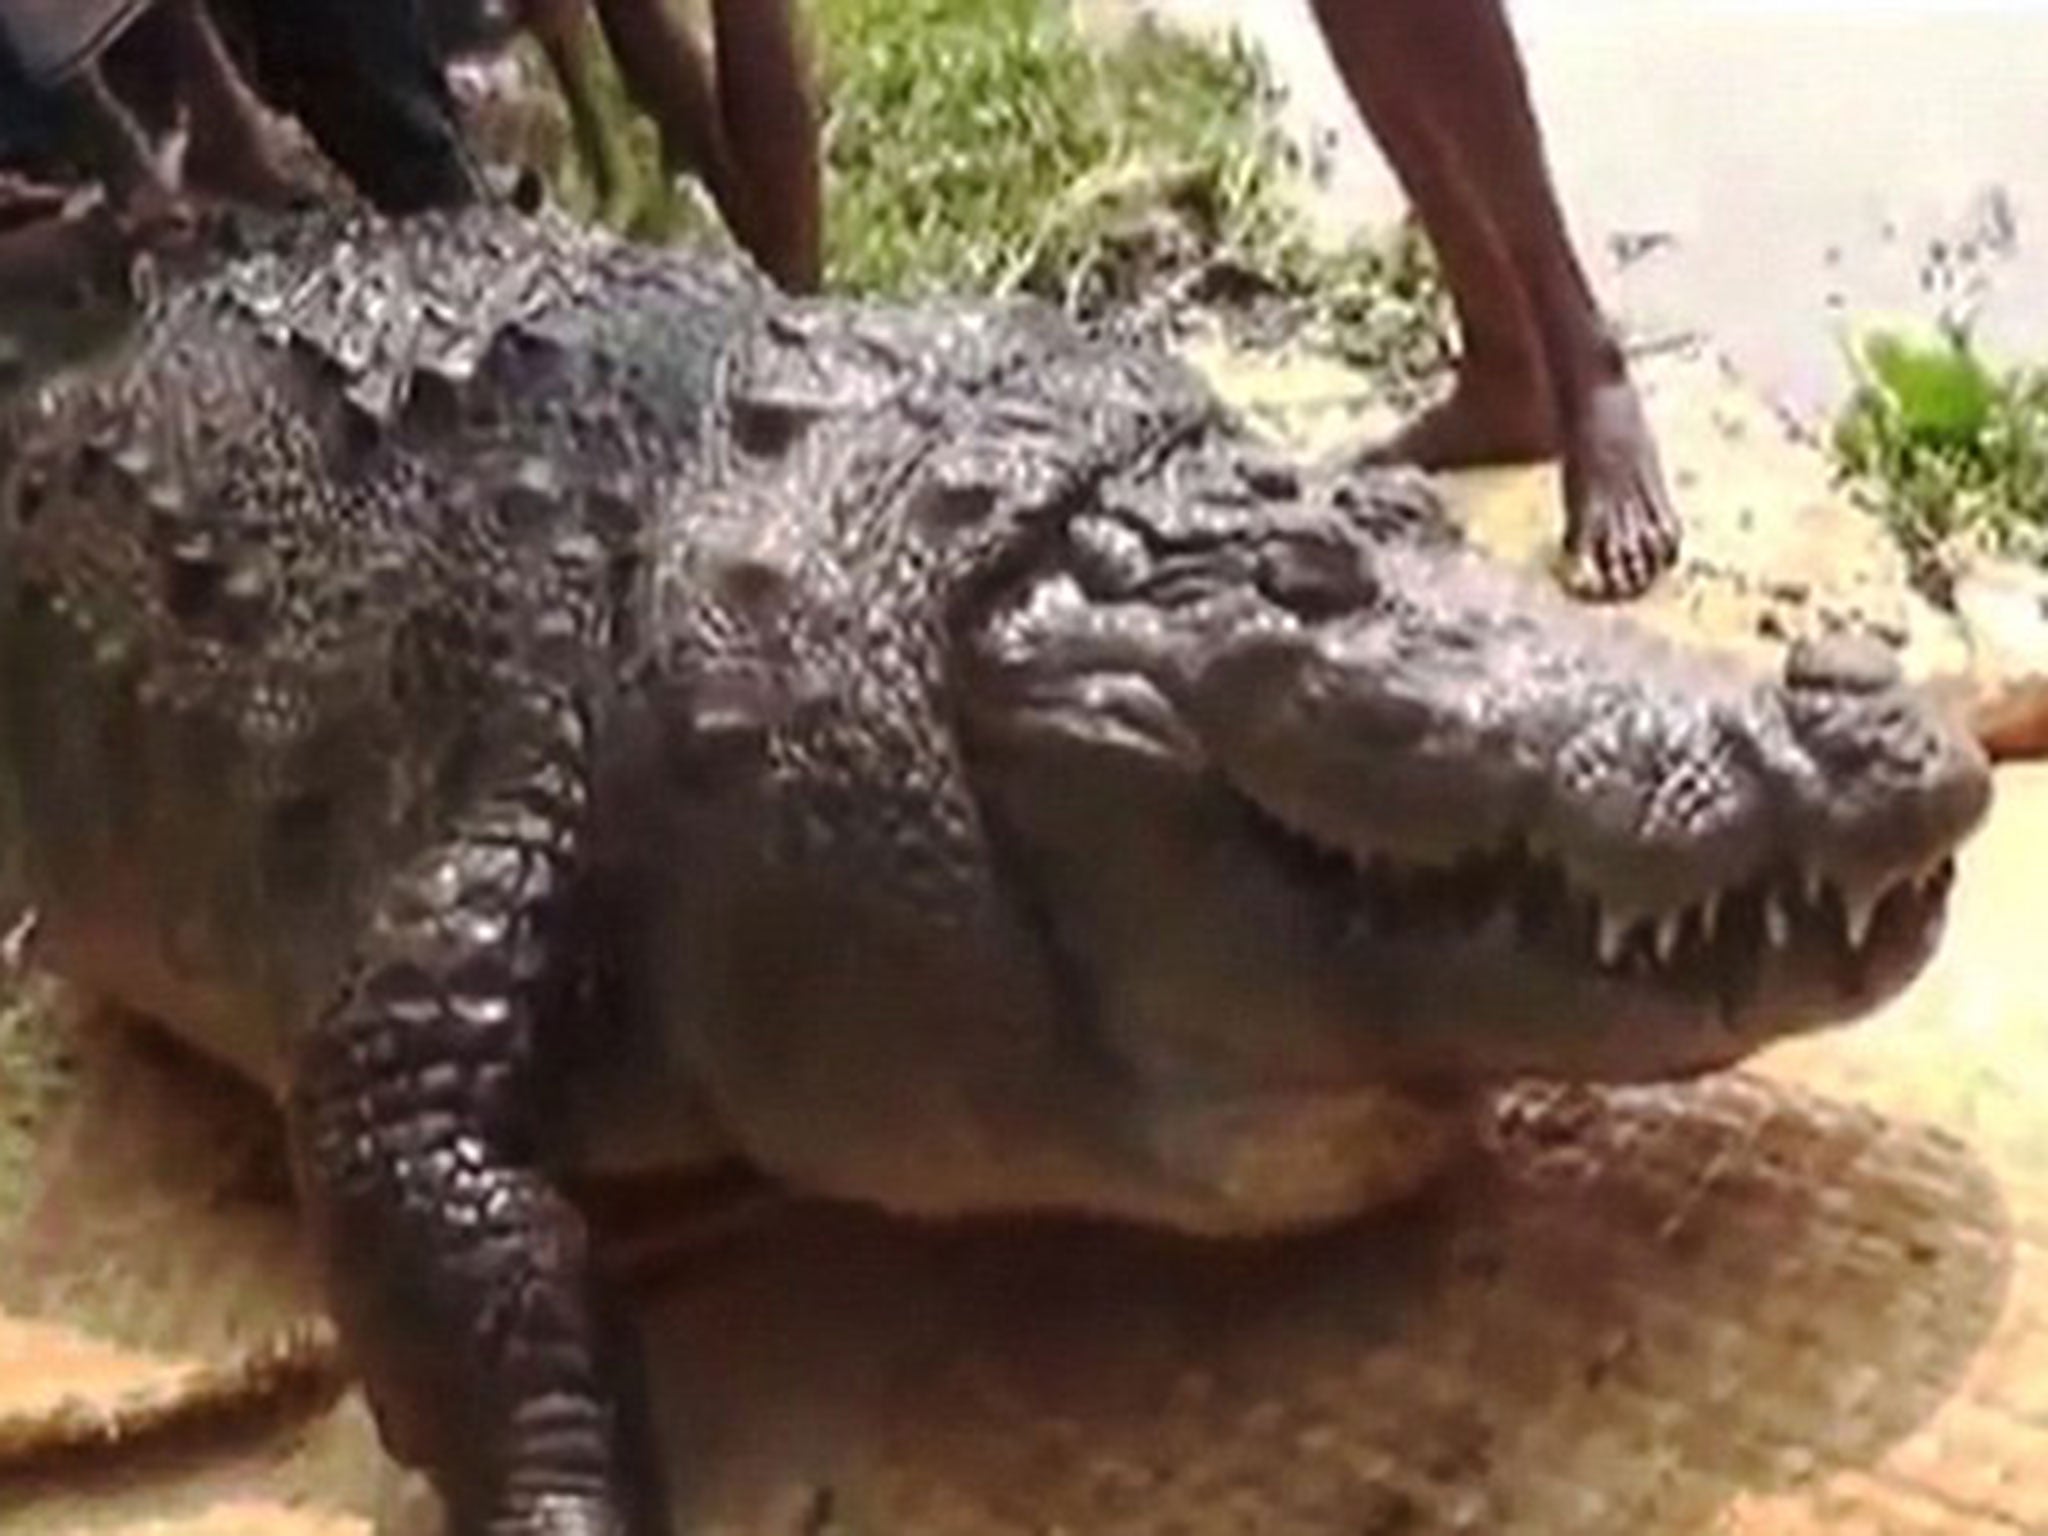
535,702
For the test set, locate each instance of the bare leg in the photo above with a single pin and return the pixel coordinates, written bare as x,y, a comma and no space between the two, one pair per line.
142,186
1502,408
231,148
558,25
1441,84
770,113
669,78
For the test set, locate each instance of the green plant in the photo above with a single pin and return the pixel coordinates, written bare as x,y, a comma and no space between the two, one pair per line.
1945,446
984,146
36,1081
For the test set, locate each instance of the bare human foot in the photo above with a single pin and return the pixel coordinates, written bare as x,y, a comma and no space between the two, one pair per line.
1621,530
1496,413
1440,83
234,149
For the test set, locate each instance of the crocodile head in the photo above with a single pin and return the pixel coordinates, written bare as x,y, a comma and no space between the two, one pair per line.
1311,790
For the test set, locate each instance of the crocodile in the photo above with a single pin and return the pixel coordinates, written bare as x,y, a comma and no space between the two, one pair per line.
549,708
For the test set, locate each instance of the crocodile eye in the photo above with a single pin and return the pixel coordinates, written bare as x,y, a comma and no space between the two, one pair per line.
1110,559
1316,577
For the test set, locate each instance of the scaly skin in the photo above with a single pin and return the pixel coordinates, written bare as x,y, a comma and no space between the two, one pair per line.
541,705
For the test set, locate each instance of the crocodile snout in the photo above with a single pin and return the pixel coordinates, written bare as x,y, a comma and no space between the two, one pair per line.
1892,779
1842,663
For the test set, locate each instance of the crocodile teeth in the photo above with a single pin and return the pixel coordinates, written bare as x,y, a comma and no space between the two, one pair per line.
1777,921
1710,917
1668,929
1816,884
19,941
1613,931
1859,912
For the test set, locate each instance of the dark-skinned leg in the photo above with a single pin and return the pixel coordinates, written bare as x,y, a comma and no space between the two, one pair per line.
747,131
458,1273
1441,84
141,184
558,25
231,150
1500,409
769,108
669,78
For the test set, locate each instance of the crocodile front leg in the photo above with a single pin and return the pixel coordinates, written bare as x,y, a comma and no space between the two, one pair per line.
458,1273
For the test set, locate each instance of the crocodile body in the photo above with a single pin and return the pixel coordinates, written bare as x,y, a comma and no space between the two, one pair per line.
540,704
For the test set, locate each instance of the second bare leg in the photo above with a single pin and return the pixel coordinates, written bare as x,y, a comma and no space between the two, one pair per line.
1501,409
769,109
1441,84
232,150
670,79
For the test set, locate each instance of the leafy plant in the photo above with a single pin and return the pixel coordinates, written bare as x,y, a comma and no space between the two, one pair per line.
982,145
985,146
1945,446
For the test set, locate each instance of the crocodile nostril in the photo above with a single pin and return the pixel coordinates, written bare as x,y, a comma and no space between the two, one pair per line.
1842,663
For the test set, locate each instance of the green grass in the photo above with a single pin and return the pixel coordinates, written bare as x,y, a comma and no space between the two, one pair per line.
35,1083
981,146
1946,447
